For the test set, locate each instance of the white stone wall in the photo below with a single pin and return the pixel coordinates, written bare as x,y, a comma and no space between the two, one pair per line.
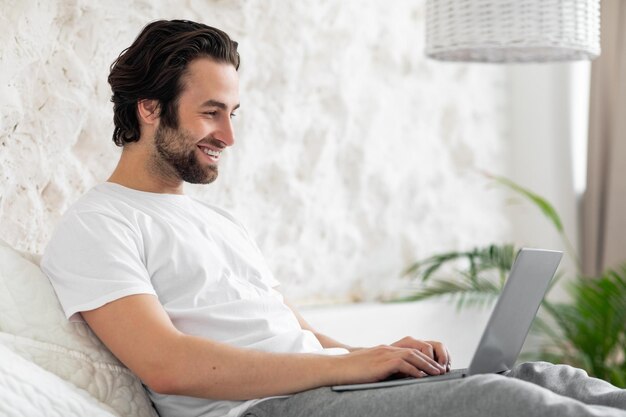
354,155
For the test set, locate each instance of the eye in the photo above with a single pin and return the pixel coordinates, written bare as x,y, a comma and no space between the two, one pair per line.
233,115
210,113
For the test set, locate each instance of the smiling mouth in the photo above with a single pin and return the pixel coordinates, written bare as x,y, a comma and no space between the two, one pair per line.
212,154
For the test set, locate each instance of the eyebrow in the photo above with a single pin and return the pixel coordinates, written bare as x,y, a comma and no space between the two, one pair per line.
219,104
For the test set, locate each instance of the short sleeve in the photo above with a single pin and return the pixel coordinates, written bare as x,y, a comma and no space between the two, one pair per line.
94,258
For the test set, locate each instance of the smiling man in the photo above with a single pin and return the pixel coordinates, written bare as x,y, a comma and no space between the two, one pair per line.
180,293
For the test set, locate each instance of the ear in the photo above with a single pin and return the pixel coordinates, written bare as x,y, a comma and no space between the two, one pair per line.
148,111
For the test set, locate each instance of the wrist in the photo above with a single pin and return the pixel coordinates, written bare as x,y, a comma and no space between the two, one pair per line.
337,370
353,349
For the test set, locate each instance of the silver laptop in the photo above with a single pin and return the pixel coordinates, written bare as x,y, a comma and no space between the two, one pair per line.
508,325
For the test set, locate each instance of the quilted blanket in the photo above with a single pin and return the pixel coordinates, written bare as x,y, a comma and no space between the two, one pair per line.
28,390
49,366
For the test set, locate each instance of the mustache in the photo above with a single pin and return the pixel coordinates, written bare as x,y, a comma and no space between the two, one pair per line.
211,141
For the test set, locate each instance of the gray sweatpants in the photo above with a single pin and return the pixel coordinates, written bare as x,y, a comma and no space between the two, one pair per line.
530,389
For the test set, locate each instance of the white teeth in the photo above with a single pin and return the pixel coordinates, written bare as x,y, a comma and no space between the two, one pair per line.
210,152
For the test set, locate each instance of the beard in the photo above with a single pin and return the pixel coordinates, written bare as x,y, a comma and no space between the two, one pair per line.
176,157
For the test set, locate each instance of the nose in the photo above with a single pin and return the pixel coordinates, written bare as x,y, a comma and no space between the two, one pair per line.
226,133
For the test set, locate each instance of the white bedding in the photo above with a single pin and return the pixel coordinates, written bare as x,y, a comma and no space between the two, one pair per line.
28,390
45,359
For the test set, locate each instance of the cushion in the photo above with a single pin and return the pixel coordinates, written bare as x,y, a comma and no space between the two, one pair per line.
32,325
28,390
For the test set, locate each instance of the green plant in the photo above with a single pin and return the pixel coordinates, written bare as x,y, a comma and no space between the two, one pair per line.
591,328
588,332
483,277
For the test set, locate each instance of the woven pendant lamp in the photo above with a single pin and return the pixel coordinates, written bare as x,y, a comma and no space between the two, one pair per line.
512,30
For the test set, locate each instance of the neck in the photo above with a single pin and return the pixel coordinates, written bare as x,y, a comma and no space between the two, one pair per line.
134,171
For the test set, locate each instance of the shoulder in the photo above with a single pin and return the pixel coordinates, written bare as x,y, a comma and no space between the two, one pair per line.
92,208
99,204
92,220
99,199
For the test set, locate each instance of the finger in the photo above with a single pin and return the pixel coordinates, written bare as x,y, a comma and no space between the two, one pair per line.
408,342
441,353
427,349
426,364
407,368
449,365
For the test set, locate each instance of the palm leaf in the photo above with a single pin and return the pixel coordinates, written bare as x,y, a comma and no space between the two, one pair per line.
425,268
474,286
492,257
541,326
465,292
547,208
593,327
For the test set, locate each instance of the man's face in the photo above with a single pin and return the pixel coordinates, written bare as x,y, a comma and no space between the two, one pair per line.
207,101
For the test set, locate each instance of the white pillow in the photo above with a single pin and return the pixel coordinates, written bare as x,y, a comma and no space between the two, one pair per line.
34,327
28,390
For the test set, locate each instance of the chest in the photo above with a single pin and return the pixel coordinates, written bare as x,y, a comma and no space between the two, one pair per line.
200,257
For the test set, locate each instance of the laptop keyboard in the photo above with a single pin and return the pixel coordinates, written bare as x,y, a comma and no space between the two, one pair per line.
454,373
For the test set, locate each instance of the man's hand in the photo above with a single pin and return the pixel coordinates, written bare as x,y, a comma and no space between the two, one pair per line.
408,357
434,350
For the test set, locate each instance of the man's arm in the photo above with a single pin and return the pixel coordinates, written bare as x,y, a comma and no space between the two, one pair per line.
138,331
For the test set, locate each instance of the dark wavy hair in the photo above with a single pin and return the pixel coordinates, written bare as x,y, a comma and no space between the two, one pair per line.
153,66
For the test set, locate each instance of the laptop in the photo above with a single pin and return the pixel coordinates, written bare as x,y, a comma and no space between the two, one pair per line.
508,325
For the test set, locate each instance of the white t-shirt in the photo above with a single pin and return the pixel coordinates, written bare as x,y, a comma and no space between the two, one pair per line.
206,271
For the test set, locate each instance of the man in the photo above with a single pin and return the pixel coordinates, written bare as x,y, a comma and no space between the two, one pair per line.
179,292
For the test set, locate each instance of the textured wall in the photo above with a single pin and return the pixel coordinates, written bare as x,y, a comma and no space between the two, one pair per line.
354,153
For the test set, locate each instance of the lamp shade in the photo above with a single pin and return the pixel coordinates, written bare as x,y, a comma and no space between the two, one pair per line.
512,30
